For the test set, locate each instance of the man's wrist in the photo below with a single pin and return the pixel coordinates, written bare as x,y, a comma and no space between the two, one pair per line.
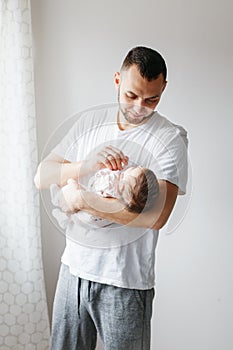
82,169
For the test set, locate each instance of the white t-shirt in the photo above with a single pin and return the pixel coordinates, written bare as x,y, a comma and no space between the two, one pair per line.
121,255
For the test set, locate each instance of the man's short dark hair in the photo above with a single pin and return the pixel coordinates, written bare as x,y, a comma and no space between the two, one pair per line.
148,61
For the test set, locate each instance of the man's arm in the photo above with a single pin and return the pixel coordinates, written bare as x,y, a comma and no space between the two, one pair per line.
57,170
111,209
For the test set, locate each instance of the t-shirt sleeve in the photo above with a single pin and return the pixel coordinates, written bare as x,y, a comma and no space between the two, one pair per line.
171,160
67,148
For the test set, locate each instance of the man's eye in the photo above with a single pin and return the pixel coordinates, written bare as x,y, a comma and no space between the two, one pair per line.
131,96
152,101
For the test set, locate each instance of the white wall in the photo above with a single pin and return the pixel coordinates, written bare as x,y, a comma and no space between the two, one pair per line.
78,47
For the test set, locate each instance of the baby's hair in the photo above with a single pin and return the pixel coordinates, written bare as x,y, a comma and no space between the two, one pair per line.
144,193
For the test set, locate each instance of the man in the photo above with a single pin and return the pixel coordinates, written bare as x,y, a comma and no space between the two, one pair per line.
108,287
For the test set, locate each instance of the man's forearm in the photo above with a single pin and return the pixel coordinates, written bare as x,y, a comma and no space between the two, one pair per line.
111,209
57,170
52,172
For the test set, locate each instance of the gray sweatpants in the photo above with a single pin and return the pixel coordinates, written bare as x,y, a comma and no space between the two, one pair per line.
82,308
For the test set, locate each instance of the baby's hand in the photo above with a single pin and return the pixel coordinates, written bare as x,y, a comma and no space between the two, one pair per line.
66,197
69,196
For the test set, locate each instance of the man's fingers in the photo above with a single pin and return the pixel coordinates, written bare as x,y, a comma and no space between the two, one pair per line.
107,160
109,157
102,160
115,152
115,158
111,161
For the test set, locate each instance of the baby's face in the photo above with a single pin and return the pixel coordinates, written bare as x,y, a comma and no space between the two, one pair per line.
117,182
130,175
127,181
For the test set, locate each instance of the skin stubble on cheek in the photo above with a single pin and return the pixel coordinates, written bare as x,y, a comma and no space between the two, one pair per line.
128,110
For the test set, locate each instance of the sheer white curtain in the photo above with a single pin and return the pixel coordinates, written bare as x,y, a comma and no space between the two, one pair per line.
23,309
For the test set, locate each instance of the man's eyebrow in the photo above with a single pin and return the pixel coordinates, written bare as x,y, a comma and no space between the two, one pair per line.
147,98
131,92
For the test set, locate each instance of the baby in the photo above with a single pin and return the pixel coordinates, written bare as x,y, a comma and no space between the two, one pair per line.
136,188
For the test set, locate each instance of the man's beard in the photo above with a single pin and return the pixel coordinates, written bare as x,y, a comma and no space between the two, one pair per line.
131,116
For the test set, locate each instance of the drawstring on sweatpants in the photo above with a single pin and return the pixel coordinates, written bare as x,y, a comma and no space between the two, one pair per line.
89,290
79,292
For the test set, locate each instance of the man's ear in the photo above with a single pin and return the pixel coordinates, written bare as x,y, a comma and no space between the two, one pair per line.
164,86
117,79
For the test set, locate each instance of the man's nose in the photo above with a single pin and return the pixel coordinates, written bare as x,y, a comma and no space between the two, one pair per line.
139,105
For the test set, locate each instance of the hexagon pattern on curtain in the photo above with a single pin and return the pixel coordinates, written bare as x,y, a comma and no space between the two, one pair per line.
23,308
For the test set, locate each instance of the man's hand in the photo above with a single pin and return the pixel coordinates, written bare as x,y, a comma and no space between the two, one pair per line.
109,157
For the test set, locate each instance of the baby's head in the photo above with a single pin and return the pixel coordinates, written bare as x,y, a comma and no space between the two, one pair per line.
139,189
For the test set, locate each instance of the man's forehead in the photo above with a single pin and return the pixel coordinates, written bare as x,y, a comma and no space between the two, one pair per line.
135,83
144,92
